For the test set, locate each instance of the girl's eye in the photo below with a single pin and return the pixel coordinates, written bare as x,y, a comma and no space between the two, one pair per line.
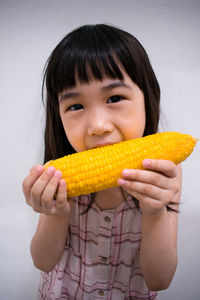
114,99
75,107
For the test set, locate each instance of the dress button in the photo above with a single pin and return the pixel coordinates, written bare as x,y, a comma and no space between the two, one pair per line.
101,293
107,219
103,259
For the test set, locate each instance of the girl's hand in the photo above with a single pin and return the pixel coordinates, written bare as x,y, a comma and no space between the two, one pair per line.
40,187
155,187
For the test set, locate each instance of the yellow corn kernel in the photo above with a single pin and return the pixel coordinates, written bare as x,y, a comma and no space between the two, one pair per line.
97,169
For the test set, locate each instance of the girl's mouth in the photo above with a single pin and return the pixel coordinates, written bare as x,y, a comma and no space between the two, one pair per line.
98,145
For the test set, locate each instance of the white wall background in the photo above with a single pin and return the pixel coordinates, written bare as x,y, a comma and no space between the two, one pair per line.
29,30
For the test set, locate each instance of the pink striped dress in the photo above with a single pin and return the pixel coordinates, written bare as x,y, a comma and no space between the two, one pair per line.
101,257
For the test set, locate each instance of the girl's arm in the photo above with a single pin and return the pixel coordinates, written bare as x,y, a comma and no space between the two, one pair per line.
49,240
155,188
158,253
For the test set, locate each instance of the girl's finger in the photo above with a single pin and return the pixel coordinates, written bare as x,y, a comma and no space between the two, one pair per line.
166,167
146,189
29,181
147,176
62,193
47,199
39,186
62,204
146,203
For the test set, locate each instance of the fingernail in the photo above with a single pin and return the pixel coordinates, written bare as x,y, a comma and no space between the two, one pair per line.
58,174
126,172
62,182
50,170
39,168
121,181
146,162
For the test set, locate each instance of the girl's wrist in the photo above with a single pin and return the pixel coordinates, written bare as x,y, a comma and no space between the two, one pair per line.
154,215
56,219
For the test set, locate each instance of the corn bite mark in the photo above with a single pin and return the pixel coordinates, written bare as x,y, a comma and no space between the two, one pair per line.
97,169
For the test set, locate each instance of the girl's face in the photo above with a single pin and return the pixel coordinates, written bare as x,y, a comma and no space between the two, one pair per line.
102,112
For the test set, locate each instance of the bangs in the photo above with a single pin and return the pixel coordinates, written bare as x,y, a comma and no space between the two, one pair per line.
84,55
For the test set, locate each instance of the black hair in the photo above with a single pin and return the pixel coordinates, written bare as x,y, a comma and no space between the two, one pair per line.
95,52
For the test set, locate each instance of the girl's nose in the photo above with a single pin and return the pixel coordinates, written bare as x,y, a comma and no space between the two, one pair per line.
99,124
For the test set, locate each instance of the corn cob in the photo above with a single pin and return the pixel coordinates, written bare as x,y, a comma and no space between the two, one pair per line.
97,169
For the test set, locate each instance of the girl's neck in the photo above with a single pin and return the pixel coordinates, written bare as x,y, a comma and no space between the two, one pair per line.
110,198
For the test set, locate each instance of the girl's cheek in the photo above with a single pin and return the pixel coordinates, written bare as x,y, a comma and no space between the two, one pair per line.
76,138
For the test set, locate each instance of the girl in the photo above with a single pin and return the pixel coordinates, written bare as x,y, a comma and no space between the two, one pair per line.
119,243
